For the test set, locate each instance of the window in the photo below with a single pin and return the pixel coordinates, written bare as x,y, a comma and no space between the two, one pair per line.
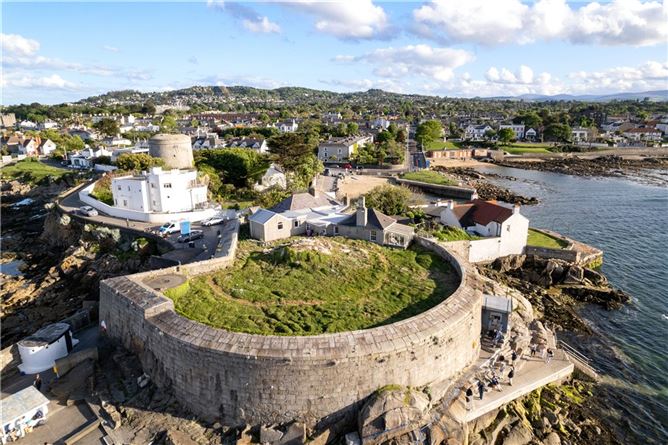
296,223
154,203
373,235
152,185
125,203
280,226
128,188
336,230
119,187
167,185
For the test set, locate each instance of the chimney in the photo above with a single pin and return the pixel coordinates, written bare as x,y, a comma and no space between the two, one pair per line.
361,213
450,204
312,188
516,208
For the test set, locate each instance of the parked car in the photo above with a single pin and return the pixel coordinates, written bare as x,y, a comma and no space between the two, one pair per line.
192,236
214,220
347,166
169,227
87,211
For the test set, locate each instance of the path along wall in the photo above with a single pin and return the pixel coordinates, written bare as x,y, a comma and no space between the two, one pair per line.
235,377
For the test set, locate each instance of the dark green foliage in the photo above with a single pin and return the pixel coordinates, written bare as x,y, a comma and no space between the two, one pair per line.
388,199
137,162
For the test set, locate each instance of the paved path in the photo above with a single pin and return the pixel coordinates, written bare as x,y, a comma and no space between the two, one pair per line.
533,374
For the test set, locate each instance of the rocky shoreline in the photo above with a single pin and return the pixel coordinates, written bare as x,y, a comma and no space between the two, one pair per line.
486,190
606,166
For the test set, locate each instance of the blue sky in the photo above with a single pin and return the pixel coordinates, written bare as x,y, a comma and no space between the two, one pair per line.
56,52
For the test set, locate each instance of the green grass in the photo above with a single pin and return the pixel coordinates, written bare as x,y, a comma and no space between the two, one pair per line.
429,176
453,234
441,145
539,239
31,171
309,286
518,148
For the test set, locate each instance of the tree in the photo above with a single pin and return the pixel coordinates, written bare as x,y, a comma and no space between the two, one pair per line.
291,149
352,129
402,136
108,127
530,119
506,135
169,125
428,131
489,134
237,166
557,132
388,199
137,161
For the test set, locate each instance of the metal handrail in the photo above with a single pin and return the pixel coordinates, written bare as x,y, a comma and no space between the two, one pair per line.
578,357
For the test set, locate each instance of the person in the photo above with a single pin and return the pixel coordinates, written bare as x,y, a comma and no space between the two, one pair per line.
498,338
550,356
502,368
511,374
494,383
469,398
481,388
38,382
513,357
533,348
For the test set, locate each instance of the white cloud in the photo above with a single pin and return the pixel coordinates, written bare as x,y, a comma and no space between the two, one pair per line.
434,63
111,49
262,25
14,44
620,22
346,19
250,20
54,81
651,75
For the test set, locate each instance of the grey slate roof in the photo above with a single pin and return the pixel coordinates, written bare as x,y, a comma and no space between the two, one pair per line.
300,201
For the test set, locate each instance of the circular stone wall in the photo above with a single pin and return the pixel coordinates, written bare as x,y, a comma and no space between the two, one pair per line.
175,149
235,377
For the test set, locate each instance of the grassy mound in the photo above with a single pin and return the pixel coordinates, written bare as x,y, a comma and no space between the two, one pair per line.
309,286
540,239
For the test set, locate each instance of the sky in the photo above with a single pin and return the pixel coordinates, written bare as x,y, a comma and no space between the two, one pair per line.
60,52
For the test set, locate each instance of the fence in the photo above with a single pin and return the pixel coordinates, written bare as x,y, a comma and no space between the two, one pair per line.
579,360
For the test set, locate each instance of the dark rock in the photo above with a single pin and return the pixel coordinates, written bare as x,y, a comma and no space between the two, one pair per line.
269,434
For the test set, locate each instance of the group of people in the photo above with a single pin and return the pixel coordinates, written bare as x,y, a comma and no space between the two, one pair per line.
547,354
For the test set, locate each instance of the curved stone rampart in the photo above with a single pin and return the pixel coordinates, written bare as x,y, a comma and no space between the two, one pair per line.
236,377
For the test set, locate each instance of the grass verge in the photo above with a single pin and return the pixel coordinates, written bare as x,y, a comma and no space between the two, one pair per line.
31,171
430,177
539,239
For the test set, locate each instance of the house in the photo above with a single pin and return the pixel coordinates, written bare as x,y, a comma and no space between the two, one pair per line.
13,142
476,132
518,130
86,157
645,134
287,126
381,123
210,140
7,120
259,145
116,141
341,148
86,135
160,191
488,219
29,147
47,125
306,213
273,177
582,134
47,147
496,312
28,125
531,134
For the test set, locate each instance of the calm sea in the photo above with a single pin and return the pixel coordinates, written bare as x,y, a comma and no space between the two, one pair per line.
629,221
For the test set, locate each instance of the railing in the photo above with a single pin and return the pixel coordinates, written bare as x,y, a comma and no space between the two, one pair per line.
579,360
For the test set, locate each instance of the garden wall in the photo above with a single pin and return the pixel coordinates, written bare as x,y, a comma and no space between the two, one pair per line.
235,377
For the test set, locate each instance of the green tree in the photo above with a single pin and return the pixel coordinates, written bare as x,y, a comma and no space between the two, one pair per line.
402,136
506,135
352,129
289,150
169,125
428,131
489,134
137,161
530,119
107,127
237,166
389,199
557,132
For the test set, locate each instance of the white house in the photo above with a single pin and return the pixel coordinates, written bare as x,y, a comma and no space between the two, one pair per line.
29,147
259,145
160,191
503,228
530,134
518,130
380,122
47,147
476,131
47,125
86,157
341,149
210,140
580,134
273,177
28,125
643,134
287,126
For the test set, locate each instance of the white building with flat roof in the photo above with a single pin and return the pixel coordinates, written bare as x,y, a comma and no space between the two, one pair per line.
160,191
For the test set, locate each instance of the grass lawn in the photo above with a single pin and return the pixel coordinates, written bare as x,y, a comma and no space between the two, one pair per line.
430,177
453,234
539,239
518,148
309,286
31,171
440,145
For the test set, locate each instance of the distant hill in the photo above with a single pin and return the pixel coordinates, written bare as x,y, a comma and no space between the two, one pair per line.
654,96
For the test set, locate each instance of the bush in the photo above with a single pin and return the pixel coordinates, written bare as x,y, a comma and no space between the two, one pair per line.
388,199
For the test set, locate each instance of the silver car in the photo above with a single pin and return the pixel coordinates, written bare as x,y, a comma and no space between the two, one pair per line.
87,211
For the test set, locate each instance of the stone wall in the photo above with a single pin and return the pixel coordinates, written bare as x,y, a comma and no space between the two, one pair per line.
236,377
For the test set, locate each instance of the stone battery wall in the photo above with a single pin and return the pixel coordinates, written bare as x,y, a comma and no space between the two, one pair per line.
236,377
